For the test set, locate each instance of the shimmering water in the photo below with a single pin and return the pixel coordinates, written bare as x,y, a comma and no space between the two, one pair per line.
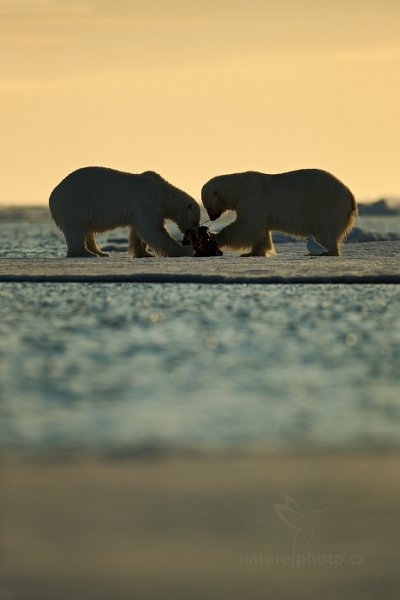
126,366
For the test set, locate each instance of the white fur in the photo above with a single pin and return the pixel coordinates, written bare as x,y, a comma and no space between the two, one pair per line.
96,199
309,202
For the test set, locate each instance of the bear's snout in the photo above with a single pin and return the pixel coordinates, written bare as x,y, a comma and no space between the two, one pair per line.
214,215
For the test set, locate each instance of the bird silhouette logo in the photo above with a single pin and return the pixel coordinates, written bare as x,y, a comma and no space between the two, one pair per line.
304,523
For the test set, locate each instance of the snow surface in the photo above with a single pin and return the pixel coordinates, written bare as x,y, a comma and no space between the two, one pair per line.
360,263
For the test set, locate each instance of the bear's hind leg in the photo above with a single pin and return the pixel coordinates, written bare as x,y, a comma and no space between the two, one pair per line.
92,245
331,252
136,247
263,247
76,243
327,238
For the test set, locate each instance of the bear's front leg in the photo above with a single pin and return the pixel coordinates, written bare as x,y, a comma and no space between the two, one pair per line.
238,235
161,242
136,246
231,235
263,247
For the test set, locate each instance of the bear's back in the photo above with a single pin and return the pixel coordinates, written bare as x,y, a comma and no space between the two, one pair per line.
93,192
89,176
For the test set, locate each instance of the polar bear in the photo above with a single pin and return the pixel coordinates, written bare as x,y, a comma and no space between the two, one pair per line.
308,202
95,199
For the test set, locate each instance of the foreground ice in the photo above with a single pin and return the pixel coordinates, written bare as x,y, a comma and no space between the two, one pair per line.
129,366
373,262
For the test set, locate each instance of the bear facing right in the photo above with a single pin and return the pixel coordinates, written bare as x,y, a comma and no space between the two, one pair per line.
303,203
96,199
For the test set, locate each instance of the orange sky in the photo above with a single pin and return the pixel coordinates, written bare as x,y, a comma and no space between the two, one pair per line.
194,89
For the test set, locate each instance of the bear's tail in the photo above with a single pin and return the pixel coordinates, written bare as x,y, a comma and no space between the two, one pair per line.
351,217
51,206
354,207
53,209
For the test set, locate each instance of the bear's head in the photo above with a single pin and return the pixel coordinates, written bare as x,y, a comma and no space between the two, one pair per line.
187,216
214,198
178,206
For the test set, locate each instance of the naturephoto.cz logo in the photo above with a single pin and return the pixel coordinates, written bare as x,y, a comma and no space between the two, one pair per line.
304,525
